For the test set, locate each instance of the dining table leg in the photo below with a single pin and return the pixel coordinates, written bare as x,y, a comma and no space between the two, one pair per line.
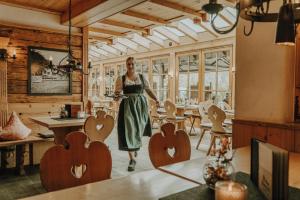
61,132
180,112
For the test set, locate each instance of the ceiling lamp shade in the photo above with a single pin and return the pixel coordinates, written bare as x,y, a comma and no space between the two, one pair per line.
286,31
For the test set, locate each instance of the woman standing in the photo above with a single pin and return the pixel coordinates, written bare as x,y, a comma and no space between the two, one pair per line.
133,119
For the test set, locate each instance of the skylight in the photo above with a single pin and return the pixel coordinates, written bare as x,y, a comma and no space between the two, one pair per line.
155,33
175,31
219,22
189,23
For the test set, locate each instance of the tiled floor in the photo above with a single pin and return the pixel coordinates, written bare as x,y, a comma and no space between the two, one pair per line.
14,187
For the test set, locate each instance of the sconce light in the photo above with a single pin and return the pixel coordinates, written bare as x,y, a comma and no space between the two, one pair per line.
4,55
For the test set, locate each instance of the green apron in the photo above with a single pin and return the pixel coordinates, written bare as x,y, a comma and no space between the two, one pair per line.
133,119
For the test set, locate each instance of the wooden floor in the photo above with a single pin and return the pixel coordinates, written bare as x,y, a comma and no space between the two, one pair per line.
14,187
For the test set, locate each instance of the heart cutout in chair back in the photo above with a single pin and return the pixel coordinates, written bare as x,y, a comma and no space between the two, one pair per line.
78,170
171,152
99,127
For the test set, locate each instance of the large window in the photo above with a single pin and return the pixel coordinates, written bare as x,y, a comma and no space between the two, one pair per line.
142,67
188,78
217,76
121,69
160,83
109,79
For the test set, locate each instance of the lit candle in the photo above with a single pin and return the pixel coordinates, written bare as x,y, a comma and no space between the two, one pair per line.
229,190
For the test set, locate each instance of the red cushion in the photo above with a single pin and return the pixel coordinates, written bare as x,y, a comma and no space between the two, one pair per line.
14,129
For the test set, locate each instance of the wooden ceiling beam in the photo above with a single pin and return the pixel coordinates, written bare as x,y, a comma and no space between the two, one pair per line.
123,25
87,12
102,39
80,8
181,8
105,31
156,20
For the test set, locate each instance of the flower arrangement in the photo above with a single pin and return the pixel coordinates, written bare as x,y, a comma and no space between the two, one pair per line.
219,167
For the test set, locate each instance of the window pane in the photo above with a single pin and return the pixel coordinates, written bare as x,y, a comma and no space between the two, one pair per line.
193,97
161,94
160,82
194,62
160,66
193,81
223,60
183,94
183,81
208,95
221,96
183,64
223,81
209,81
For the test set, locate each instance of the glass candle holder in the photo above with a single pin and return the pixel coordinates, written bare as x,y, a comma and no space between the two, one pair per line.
229,190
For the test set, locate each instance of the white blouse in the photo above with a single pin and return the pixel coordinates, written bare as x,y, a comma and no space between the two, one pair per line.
137,81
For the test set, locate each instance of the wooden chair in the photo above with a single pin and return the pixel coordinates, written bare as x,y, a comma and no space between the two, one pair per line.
217,117
168,146
99,128
155,116
170,108
76,164
205,124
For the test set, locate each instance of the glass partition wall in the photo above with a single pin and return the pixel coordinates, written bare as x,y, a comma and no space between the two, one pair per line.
217,76
160,80
188,78
199,76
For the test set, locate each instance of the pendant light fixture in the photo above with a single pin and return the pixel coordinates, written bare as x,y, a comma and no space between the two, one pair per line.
286,30
72,64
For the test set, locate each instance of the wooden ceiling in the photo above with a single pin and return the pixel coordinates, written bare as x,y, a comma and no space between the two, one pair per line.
132,26
58,6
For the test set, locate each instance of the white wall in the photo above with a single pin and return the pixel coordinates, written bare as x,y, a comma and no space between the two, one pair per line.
264,74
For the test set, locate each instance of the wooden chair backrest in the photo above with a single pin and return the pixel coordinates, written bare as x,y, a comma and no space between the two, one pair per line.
153,108
170,109
77,164
161,144
99,128
217,117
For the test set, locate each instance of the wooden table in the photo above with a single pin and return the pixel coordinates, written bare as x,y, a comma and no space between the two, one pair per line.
60,127
192,170
147,185
181,109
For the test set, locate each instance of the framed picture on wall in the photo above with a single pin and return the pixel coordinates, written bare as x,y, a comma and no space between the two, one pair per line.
44,80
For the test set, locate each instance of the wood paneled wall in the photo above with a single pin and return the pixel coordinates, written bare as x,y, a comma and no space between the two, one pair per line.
17,70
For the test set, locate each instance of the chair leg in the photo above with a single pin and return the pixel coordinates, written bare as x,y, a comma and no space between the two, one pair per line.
200,139
192,127
211,144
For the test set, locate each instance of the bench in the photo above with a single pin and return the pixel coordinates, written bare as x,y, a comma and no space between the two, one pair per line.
20,151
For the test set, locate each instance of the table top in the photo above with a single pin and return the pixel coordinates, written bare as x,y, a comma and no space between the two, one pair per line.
49,122
152,184
192,170
29,139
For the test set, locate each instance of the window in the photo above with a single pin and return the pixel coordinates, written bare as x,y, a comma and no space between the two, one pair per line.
109,79
121,69
217,76
94,84
188,78
141,66
160,83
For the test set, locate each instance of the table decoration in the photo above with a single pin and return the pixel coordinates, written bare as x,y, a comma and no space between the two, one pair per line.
219,166
229,190
204,192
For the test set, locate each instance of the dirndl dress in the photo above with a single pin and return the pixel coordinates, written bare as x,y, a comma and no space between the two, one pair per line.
133,119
